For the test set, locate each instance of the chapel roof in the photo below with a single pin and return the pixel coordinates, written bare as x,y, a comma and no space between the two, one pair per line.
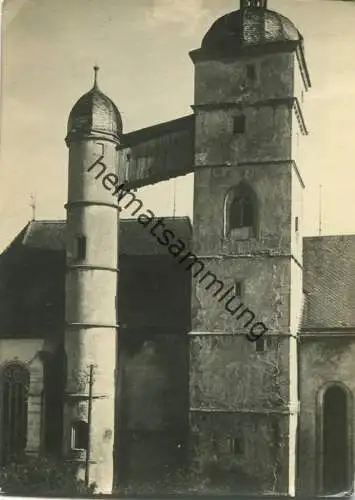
328,264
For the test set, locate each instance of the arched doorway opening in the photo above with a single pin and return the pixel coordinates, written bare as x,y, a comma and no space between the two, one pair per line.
336,443
14,389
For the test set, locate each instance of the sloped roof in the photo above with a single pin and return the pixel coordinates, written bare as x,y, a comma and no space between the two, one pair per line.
48,235
328,264
135,239
329,282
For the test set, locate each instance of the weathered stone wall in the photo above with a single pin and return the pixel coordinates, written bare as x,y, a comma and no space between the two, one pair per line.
236,392
222,469
153,291
226,81
322,360
272,186
153,408
267,137
266,292
152,386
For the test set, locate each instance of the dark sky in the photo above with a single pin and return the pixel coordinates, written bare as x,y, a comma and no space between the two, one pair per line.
50,46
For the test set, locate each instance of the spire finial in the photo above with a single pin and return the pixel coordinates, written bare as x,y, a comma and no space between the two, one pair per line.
33,205
96,70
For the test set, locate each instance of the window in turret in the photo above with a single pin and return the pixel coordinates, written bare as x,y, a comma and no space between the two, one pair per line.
237,289
80,435
80,248
240,212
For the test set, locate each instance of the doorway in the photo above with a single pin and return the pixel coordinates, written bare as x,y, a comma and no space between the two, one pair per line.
335,440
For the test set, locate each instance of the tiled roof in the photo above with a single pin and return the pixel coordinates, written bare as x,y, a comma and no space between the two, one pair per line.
47,235
328,277
134,238
249,27
137,240
156,131
328,282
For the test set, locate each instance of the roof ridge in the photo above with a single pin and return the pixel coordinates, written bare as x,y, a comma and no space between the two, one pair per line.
49,221
319,237
134,219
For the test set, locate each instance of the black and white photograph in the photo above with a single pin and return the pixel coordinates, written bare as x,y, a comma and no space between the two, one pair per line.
177,249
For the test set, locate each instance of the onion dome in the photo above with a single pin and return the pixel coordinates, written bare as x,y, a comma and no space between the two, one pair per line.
94,113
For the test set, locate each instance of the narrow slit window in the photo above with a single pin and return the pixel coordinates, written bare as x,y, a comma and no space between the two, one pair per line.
237,289
239,124
296,224
251,73
81,247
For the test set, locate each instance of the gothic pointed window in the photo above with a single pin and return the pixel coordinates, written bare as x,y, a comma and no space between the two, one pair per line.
240,212
14,389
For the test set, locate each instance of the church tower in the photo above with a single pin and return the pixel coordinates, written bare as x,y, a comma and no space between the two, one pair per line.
94,130
250,78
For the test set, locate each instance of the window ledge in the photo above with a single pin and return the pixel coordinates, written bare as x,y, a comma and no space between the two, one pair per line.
241,234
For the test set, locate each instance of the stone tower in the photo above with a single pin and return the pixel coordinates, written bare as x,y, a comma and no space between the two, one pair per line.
250,77
94,130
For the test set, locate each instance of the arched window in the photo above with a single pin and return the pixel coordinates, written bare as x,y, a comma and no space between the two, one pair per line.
14,389
80,435
240,212
336,446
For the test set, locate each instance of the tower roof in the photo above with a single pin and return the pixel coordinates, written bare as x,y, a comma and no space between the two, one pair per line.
249,27
94,112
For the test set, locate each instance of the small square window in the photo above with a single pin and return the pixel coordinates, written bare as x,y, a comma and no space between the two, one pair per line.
260,345
251,73
239,124
236,446
80,435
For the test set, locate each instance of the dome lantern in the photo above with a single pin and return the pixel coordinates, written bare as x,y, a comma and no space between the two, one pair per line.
253,3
